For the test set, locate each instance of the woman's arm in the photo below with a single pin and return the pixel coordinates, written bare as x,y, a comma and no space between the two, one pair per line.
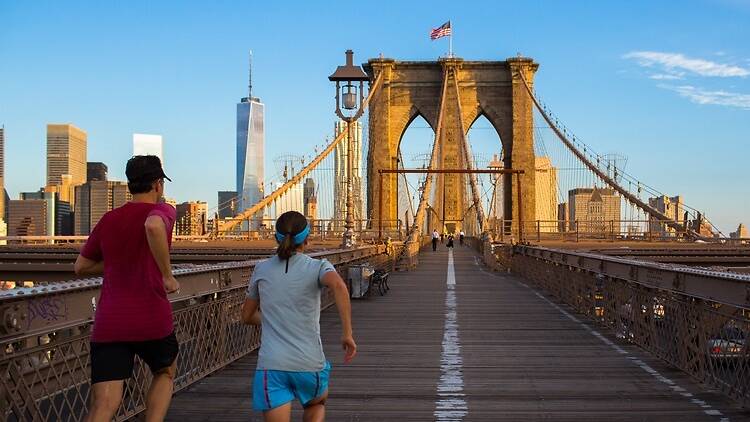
250,312
333,281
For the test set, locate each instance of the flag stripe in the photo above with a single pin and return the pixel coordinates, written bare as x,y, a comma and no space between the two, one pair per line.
443,31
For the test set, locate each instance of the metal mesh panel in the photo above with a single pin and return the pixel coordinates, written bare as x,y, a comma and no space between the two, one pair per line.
47,378
706,339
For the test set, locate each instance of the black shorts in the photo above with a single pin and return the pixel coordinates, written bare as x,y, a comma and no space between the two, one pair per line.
114,361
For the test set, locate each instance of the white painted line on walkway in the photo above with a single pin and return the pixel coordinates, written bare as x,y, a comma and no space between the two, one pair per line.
451,405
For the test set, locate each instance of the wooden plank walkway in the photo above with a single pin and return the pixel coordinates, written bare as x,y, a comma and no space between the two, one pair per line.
512,354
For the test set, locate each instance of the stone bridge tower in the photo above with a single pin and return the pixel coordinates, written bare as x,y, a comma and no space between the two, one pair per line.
490,88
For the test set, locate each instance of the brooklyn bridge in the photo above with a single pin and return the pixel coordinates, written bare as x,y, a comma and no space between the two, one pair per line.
613,303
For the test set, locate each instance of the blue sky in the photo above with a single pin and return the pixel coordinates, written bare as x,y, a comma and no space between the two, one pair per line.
667,86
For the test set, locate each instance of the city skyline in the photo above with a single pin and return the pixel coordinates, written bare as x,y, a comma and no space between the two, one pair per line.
650,77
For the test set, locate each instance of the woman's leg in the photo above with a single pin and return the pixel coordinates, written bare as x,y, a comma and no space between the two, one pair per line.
315,410
282,413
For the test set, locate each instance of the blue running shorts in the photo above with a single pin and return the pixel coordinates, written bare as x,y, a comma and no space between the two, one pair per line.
272,389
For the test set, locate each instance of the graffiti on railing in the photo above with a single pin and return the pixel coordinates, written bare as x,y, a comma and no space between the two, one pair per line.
47,309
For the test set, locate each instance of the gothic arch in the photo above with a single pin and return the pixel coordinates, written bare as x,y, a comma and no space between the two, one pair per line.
486,88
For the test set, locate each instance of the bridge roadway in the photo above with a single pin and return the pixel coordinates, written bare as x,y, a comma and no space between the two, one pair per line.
512,354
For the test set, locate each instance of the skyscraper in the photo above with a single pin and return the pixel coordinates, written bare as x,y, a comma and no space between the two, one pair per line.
741,232
227,204
309,199
58,216
340,173
496,202
292,200
96,171
192,218
250,152
594,210
28,217
546,194
250,148
144,144
66,154
673,207
2,173
94,199
308,190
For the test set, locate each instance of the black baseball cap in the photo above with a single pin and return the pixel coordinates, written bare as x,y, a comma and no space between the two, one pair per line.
144,168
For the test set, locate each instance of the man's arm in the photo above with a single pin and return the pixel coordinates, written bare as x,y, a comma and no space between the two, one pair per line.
156,234
333,281
85,266
251,312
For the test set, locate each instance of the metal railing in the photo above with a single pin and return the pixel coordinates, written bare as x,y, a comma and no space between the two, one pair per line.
45,331
583,230
696,320
320,229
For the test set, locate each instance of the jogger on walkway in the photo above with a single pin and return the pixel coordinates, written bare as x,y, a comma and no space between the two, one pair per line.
286,287
130,246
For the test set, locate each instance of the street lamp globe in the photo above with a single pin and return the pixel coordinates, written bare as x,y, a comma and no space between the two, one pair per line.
350,97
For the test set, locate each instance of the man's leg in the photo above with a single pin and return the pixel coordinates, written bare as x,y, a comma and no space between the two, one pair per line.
105,399
160,393
315,410
282,413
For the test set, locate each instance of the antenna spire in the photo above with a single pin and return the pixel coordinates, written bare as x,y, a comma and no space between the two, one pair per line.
250,77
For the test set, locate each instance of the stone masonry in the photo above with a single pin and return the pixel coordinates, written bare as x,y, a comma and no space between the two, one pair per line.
490,88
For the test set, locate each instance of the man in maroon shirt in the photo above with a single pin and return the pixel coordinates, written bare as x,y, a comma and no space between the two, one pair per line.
130,246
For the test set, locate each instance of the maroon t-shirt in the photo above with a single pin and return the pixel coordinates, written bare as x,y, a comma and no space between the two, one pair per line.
133,304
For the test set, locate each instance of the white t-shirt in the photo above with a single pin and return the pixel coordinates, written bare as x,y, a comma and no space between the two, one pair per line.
290,312
435,235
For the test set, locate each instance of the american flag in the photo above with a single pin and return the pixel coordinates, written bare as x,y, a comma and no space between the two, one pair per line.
443,31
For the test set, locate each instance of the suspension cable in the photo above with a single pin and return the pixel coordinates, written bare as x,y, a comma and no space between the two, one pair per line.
653,212
250,212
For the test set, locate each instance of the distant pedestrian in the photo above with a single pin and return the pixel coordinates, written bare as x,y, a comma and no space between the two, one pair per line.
435,237
442,236
130,246
461,237
450,241
283,297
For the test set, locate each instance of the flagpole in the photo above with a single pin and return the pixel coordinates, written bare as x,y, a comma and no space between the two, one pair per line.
450,40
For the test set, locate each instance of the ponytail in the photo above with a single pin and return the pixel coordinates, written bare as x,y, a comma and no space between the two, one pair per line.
286,247
291,231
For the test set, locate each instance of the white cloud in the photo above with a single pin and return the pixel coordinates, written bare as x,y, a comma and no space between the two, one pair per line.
701,96
675,63
665,77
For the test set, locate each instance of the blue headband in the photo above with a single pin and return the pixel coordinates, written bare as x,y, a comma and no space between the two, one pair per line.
298,238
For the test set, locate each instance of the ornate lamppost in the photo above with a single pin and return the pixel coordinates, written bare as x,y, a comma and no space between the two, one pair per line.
350,96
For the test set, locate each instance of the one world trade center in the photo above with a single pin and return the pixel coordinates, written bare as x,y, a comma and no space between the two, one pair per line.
250,146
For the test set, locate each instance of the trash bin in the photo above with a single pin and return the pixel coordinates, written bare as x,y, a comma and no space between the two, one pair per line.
359,279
